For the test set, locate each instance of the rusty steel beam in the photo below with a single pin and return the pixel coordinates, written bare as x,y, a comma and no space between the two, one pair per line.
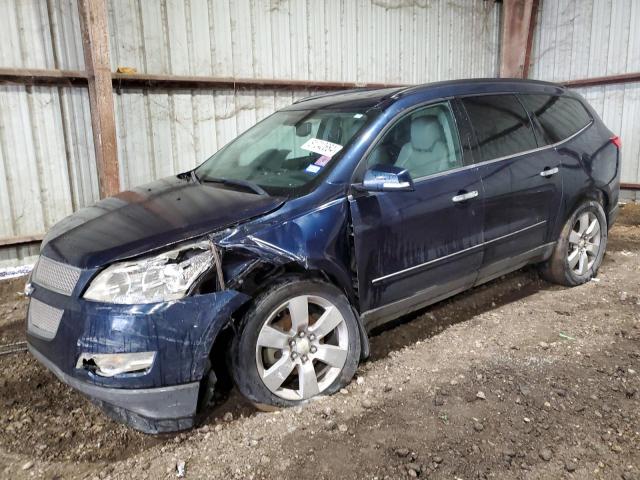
95,44
151,81
42,77
608,80
22,240
138,80
518,22
630,186
532,28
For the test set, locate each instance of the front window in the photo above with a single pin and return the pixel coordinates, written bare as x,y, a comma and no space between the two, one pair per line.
285,153
424,142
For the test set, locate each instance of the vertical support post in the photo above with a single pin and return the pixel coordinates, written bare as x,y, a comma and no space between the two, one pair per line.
518,24
95,44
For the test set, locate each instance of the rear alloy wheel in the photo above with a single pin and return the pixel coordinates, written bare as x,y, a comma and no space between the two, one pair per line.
299,339
578,252
584,243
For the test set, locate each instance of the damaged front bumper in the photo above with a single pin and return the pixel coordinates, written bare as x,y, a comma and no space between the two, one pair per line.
160,398
151,410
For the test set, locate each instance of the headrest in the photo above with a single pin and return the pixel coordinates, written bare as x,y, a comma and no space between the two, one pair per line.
335,131
425,131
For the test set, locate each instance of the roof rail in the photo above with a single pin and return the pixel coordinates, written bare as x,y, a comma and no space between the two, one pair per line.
337,92
417,88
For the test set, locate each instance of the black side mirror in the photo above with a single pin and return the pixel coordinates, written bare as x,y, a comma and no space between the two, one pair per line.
387,178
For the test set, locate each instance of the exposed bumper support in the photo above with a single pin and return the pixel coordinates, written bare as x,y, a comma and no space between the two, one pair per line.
164,403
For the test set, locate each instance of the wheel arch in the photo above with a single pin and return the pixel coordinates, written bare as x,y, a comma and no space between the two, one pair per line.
253,283
257,281
593,193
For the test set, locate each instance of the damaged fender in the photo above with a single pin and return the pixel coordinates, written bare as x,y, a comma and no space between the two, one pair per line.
317,242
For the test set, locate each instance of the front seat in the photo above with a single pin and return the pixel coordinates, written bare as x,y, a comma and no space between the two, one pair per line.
426,152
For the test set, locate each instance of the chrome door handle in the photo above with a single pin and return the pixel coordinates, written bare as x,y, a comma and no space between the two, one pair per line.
549,171
465,196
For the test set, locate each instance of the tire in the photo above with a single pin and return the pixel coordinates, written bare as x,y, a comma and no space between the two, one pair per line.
567,266
269,370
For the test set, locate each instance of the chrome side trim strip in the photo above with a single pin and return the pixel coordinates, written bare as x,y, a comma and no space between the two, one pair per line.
500,159
533,150
459,252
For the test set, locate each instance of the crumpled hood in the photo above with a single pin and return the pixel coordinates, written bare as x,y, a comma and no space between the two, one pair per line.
150,217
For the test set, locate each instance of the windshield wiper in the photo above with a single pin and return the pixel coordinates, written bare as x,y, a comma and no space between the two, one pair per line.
246,184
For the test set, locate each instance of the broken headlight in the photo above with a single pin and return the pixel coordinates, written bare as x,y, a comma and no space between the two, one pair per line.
158,278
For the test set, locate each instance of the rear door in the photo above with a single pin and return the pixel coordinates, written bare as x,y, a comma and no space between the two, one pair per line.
522,182
413,248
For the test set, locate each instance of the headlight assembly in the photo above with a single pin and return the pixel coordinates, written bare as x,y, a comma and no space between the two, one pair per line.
159,278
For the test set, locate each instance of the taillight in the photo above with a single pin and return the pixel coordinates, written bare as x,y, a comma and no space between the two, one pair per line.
617,141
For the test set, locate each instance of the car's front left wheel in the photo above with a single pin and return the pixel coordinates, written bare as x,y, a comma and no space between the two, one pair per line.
299,339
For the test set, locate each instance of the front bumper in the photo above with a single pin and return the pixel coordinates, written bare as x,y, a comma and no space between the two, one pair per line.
160,406
181,333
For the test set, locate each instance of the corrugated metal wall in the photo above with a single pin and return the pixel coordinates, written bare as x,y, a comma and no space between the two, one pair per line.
592,38
393,41
47,163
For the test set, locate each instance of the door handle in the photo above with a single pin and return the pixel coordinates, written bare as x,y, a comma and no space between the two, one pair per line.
461,197
547,172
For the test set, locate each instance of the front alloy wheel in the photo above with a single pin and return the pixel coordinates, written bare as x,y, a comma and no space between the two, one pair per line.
302,347
299,339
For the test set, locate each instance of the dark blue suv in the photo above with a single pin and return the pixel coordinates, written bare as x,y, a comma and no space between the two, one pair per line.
268,264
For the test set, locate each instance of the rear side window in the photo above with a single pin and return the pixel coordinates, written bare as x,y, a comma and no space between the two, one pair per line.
557,118
501,125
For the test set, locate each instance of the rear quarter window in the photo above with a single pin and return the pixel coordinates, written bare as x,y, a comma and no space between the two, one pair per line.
556,118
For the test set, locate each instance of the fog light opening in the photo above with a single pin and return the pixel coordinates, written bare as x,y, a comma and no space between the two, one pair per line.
112,364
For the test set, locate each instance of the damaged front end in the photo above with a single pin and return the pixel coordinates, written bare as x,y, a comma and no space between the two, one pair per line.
136,336
141,337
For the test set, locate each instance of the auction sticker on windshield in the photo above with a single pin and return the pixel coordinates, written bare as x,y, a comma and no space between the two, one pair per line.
321,147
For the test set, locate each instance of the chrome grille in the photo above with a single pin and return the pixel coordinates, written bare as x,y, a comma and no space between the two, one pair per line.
55,276
43,320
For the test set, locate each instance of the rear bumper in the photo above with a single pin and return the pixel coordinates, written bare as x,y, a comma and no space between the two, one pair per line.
151,410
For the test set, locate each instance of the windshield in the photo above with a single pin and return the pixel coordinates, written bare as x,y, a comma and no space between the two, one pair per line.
285,153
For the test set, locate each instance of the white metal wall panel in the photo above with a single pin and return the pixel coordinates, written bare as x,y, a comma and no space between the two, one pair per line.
160,133
45,173
586,38
578,39
336,40
164,133
40,34
47,161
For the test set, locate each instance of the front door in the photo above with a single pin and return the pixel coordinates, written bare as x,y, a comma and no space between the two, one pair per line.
413,248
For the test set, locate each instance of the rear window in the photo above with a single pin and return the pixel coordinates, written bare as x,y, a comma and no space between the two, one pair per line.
501,125
556,118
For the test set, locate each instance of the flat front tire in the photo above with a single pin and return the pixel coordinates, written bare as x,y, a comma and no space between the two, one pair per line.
580,248
299,339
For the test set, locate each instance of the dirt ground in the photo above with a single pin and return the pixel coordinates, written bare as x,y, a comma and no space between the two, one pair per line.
515,379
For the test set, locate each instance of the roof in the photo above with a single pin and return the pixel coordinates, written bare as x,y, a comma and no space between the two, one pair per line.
363,98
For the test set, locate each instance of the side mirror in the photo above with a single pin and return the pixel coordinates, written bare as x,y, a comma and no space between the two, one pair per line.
387,178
